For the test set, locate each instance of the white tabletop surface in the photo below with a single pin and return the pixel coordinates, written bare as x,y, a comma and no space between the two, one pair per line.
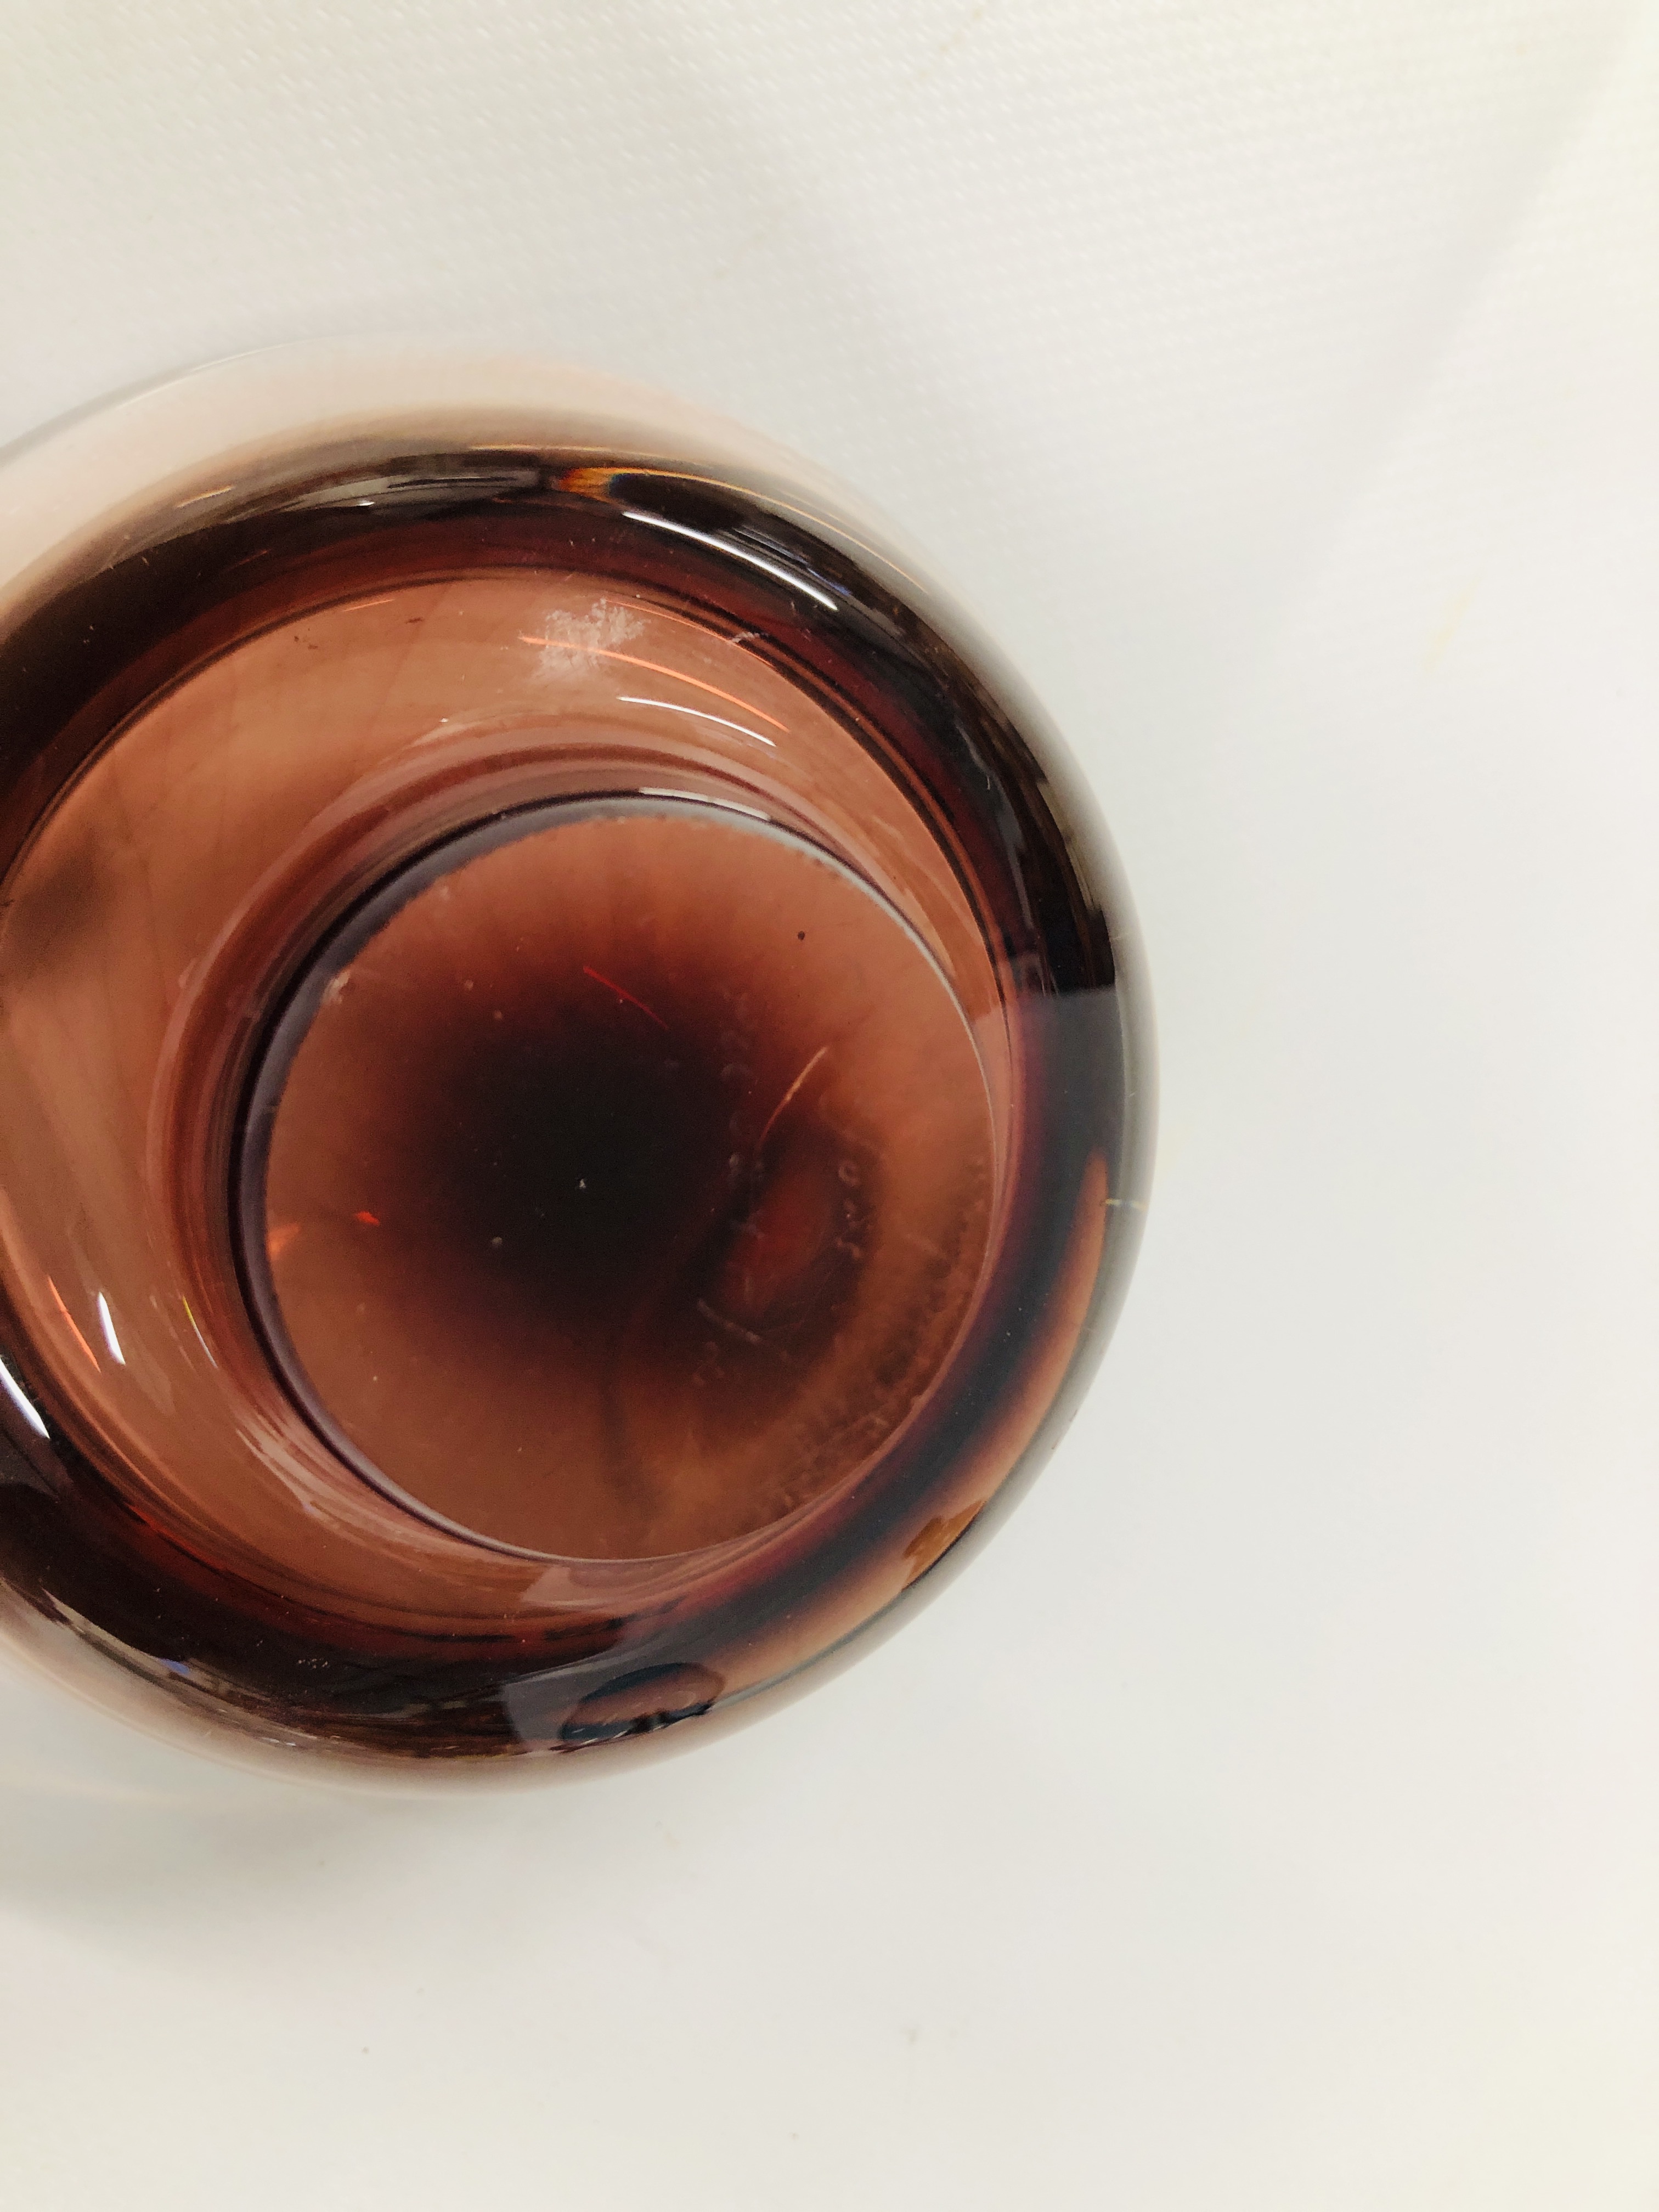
1270,1817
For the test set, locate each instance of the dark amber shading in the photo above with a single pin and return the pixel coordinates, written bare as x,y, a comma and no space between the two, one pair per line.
573,1101
624,1185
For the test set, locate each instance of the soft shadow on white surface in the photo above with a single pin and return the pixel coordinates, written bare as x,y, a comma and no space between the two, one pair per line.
98,1824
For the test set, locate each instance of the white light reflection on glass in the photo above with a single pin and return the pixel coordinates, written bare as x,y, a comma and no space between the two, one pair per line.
737,552
107,1324
625,699
702,798
14,1390
197,1326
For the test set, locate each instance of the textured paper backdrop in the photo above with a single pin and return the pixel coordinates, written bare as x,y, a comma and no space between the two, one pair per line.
1270,1818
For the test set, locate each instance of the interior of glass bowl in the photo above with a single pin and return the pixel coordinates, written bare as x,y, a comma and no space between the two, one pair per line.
559,1085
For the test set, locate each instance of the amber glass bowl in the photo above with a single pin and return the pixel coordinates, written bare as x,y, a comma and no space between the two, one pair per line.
574,1082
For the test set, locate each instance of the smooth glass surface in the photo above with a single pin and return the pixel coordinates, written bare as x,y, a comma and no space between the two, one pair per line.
571,1082
607,1268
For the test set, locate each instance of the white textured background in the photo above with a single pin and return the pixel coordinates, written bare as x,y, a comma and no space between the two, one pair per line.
1271,1818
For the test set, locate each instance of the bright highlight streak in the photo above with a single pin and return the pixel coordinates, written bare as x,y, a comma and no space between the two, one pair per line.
200,1339
623,699
108,1327
703,798
654,667
14,1390
737,552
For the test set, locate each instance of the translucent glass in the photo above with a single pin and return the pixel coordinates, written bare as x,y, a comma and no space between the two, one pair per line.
574,1081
